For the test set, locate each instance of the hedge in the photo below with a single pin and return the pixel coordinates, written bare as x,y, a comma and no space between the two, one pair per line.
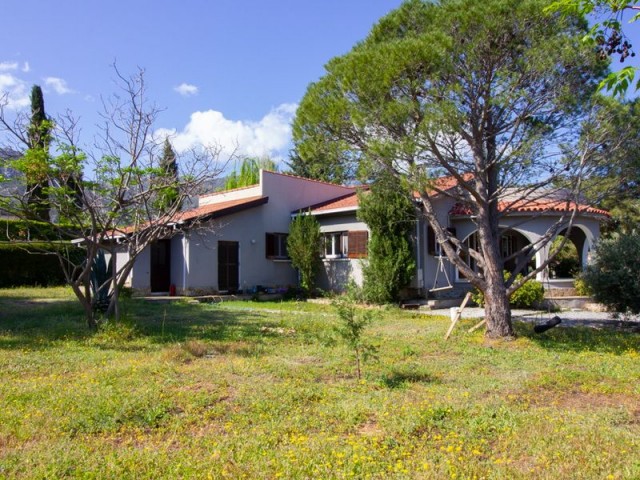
28,264
21,230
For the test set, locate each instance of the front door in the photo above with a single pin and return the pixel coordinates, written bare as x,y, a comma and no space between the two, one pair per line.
228,265
160,266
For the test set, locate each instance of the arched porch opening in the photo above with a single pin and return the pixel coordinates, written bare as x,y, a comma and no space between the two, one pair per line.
573,257
513,246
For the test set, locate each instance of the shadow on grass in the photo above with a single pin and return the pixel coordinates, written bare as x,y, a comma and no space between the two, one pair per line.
28,324
581,339
402,377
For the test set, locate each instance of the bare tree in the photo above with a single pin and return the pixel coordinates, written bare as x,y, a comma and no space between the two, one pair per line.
112,202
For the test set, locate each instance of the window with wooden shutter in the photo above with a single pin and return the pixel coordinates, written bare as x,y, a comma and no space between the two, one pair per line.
358,244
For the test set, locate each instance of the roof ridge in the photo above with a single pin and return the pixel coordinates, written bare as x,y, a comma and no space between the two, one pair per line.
283,174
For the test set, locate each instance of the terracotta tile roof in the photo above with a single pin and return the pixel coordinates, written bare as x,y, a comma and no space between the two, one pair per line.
350,201
346,202
216,210
539,205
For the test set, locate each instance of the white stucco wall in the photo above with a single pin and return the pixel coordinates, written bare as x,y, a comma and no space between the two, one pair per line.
122,257
248,228
285,194
140,279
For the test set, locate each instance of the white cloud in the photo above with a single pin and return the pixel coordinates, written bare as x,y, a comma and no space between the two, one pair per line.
186,89
25,67
58,84
6,66
268,136
14,91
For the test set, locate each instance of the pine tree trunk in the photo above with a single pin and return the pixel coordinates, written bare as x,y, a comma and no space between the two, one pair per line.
498,312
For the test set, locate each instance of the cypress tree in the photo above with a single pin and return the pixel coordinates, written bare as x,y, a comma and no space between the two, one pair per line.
168,196
390,215
37,158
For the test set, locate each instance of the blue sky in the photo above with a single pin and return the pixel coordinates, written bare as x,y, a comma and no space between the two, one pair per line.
229,72
234,70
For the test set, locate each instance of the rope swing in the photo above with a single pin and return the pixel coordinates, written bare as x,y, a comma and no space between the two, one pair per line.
439,270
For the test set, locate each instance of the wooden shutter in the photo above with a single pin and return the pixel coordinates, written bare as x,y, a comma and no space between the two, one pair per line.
358,244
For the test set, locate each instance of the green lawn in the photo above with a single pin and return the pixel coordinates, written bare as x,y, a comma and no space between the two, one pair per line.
267,390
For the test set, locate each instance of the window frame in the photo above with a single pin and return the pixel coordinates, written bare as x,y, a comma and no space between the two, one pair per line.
276,246
339,242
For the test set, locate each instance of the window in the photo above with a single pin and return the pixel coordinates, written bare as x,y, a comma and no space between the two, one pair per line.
433,247
344,244
509,245
472,243
335,245
276,245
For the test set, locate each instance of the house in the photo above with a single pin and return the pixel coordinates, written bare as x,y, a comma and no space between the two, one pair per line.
239,241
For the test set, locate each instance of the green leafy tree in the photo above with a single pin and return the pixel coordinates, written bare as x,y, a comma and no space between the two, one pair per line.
249,173
303,246
615,185
614,276
608,35
490,93
390,216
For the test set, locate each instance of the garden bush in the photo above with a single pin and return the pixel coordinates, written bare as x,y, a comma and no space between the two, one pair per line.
581,286
614,276
528,295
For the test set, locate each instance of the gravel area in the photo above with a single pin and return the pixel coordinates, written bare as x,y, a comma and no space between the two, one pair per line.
569,318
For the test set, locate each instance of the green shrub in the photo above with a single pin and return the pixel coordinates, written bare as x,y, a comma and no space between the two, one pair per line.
614,276
352,327
581,286
527,296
